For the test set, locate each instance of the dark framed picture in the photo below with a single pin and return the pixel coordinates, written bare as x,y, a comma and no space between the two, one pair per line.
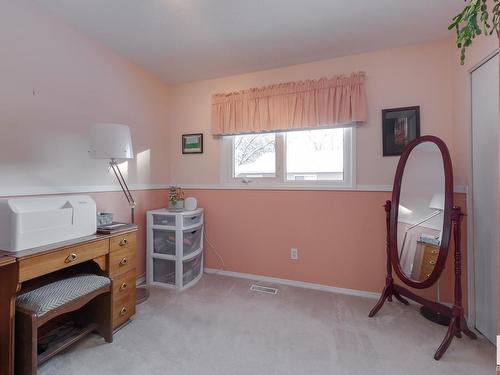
400,126
192,143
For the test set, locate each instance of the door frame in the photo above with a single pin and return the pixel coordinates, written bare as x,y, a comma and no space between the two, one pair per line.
471,293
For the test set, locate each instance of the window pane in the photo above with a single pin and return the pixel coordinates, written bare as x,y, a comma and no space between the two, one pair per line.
255,155
315,155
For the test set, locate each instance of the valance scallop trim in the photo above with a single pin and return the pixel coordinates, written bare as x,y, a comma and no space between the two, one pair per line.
291,106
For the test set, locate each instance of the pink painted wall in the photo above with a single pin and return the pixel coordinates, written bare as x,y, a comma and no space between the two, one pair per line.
340,235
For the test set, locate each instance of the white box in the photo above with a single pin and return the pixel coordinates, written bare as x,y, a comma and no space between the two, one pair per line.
31,222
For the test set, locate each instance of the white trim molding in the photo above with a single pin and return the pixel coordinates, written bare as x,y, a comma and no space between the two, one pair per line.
298,284
459,189
24,190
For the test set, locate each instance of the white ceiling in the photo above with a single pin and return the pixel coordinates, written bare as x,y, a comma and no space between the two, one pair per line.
189,40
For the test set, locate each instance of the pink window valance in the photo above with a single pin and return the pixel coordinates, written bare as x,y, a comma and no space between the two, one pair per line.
291,106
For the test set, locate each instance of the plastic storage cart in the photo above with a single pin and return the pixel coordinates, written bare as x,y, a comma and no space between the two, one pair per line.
174,248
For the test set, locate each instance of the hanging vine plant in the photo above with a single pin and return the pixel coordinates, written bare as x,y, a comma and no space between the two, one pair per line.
477,17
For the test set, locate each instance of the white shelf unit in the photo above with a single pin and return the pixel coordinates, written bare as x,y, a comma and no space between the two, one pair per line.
174,248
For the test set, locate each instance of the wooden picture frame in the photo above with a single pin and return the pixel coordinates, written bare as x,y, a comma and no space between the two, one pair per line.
192,143
400,126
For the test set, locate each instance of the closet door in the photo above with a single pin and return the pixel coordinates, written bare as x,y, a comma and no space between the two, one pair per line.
485,194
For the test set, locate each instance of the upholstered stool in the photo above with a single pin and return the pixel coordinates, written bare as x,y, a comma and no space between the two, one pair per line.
87,296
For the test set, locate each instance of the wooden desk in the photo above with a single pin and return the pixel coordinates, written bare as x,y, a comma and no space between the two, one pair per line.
8,290
114,254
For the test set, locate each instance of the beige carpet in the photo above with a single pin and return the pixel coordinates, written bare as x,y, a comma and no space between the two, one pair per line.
220,327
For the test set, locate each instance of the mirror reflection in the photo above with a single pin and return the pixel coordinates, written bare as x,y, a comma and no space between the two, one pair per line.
420,214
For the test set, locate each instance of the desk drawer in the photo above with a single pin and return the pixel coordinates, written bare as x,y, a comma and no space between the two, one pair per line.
123,241
123,284
41,265
123,308
121,261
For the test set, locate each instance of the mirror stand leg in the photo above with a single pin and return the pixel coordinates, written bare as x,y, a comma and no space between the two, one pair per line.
387,293
458,324
400,299
466,330
452,331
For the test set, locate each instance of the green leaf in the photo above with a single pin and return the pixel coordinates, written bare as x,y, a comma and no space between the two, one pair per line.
473,21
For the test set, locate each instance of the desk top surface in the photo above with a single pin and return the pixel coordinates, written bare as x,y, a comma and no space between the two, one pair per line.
35,251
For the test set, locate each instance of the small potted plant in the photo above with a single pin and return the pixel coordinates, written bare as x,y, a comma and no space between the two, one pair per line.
175,199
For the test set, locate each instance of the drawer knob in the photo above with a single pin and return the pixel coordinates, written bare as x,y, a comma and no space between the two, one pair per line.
432,262
123,242
123,311
123,286
124,261
71,258
434,251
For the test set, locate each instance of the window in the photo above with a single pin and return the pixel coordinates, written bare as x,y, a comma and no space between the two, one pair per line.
316,155
297,158
254,155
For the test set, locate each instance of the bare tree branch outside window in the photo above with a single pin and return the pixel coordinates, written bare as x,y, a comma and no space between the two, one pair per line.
248,148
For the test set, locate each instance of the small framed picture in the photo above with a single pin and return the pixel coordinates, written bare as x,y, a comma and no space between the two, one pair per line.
400,126
192,143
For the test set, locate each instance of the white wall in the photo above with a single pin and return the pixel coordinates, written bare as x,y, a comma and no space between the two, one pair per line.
54,83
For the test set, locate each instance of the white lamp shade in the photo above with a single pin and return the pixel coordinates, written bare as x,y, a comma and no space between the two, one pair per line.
437,202
110,141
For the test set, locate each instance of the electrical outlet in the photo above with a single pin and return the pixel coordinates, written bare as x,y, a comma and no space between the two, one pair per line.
294,253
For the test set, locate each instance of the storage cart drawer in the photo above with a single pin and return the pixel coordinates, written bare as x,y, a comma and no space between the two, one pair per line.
168,220
191,269
191,240
164,271
164,241
190,220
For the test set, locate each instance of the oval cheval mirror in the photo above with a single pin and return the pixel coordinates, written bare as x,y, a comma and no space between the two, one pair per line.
421,215
420,219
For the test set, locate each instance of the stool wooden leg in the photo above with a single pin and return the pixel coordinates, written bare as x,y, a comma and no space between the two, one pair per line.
105,318
26,343
99,311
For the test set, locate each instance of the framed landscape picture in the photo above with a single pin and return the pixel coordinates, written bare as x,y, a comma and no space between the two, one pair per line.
400,126
192,143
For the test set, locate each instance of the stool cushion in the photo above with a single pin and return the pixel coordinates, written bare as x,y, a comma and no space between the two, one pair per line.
51,296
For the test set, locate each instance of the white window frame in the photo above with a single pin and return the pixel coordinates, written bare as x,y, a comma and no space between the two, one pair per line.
280,181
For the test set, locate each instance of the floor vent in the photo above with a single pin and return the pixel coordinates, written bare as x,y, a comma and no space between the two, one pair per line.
263,289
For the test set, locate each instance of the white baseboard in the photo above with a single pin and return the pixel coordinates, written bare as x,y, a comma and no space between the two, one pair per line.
140,280
298,284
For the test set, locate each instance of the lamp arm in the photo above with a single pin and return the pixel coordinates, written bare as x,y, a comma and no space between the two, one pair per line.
123,184
434,214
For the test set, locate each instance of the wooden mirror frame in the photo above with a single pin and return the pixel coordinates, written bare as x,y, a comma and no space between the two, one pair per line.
452,221
447,213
